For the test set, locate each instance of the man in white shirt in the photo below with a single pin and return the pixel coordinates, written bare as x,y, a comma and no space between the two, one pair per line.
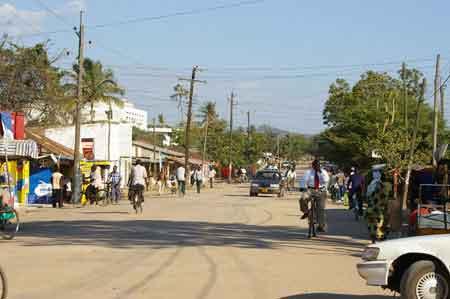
211,176
291,177
181,178
314,187
139,179
57,188
198,178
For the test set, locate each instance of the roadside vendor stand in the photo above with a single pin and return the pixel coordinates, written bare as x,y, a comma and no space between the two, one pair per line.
432,214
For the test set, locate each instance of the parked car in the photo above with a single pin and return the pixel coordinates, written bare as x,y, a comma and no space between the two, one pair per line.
268,181
416,267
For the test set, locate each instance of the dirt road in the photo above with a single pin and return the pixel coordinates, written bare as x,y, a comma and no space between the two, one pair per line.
221,244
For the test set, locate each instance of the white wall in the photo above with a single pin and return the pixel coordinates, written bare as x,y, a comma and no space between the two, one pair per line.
128,113
121,138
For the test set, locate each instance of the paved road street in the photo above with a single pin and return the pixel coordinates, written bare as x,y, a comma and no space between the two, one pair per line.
219,245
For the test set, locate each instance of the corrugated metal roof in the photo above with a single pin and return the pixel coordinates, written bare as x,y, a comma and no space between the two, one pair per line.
150,147
48,144
19,148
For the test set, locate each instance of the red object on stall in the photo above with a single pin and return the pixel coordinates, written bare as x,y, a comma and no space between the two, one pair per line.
19,125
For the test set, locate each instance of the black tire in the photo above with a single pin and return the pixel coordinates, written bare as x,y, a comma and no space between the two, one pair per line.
3,285
417,274
8,228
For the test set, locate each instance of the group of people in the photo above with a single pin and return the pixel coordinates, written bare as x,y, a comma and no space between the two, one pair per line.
317,181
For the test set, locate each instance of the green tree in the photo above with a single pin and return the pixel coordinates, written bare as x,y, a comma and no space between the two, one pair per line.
99,85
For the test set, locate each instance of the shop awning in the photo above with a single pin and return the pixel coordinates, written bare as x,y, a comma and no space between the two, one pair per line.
19,148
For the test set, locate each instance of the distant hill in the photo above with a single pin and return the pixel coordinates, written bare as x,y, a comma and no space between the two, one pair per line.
277,131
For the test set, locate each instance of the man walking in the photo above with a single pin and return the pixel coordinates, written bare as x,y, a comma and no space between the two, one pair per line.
57,189
198,178
314,187
114,179
181,178
211,176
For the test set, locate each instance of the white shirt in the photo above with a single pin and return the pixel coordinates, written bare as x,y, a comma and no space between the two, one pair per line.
181,172
308,179
139,174
212,173
291,174
198,175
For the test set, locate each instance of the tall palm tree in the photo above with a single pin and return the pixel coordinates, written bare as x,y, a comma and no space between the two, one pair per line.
208,115
180,93
99,86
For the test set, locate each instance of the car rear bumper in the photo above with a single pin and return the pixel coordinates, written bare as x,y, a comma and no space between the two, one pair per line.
375,273
265,190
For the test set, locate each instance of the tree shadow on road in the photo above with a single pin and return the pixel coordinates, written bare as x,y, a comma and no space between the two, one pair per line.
335,296
164,233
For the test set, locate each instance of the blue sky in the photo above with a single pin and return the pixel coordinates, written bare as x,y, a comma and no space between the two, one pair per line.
279,56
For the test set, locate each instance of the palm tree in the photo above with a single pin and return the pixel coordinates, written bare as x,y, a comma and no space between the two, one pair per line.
180,93
99,85
209,115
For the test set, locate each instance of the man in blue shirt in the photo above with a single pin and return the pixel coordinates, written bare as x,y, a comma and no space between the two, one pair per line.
115,179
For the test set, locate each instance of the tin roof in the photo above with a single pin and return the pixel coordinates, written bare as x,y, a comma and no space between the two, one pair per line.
48,145
19,148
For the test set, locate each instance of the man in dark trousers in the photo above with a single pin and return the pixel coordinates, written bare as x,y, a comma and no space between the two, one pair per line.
57,188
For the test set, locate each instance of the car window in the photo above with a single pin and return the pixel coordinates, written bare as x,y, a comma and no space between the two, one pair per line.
268,175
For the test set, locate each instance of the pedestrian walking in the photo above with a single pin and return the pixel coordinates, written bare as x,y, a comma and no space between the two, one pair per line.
198,178
160,183
115,179
181,178
211,176
291,178
340,178
378,193
314,185
57,189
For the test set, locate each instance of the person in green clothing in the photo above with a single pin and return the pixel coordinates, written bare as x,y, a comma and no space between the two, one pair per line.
378,193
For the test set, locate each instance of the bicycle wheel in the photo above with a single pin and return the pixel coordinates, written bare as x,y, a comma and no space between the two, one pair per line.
312,221
3,285
9,224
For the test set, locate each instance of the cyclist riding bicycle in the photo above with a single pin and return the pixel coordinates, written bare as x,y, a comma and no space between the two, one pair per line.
314,187
138,179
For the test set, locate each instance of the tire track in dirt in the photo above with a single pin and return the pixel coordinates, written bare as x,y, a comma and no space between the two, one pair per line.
213,273
152,275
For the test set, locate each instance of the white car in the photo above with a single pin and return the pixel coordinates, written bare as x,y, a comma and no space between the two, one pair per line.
416,267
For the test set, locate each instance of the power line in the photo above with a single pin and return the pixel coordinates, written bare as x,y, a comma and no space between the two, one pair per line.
150,18
178,14
51,11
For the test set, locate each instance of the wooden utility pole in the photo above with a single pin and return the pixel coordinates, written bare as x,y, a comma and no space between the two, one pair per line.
248,137
405,96
189,118
278,152
109,129
230,163
154,148
412,150
441,92
204,141
437,82
76,168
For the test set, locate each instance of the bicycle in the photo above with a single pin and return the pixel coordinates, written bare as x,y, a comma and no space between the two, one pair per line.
9,222
3,285
312,218
137,197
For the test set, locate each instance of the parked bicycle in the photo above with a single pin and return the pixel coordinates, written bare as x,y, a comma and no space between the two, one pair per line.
9,222
3,285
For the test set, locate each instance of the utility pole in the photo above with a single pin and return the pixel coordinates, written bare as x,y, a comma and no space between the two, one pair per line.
189,118
204,141
411,151
278,151
405,96
79,103
248,137
437,81
154,148
230,163
109,129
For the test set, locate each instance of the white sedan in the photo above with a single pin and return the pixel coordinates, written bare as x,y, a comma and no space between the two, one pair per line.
416,267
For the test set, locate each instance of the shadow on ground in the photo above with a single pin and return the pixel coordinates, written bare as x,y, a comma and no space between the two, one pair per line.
165,233
335,296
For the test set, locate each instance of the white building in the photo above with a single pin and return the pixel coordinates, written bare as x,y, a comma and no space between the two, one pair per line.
127,114
94,142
